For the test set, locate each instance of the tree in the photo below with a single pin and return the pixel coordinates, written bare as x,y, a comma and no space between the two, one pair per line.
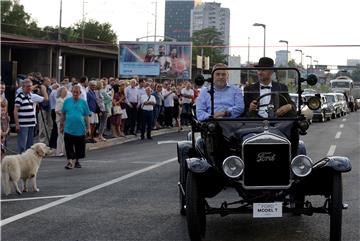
15,20
96,31
205,39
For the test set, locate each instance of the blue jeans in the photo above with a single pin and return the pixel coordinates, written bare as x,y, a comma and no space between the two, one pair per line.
25,138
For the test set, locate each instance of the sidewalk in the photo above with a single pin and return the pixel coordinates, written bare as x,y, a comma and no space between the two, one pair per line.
12,145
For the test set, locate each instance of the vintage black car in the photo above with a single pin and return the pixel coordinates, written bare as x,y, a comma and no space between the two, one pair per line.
259,159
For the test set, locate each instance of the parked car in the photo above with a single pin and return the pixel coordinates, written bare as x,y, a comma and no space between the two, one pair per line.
332,99
325,111
260,160
305,110
343,103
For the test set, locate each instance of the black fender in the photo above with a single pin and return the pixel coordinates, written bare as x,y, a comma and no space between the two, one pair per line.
337,163
183,149
318,182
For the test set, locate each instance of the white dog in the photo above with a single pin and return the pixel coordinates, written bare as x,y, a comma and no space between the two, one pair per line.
24,166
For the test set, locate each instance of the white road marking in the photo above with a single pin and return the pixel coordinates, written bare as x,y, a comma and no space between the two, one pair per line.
331,150
82,193
144,162
338,134
344,119
167,142
32,198
342,126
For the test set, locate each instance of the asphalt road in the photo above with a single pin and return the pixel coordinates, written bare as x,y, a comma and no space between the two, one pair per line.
129,192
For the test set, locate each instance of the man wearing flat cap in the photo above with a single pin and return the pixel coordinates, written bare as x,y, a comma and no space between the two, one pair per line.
264,86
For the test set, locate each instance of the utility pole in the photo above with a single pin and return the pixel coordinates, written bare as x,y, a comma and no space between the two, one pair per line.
59,57
155,19
83,21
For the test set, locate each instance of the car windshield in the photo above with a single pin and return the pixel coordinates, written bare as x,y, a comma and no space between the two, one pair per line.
340,84
330,98
273,84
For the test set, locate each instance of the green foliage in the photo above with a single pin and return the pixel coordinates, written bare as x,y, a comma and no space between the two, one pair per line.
208,37
15,20
96,31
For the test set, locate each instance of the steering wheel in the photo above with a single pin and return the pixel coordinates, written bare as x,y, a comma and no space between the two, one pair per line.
276,103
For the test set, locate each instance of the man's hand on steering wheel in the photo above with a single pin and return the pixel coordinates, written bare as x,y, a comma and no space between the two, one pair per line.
284,109
255,105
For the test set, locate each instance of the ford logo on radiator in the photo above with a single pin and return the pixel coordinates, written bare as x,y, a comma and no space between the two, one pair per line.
265,157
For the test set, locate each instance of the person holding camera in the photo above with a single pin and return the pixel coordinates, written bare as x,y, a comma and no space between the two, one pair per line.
24,115
169,96
44,115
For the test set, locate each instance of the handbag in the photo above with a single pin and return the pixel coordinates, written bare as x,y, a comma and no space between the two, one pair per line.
117,110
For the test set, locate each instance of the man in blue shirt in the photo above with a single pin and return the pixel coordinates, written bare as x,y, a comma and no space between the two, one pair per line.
228,99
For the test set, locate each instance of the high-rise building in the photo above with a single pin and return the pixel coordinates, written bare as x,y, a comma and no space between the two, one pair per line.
282,58
212,15
178,18
353,62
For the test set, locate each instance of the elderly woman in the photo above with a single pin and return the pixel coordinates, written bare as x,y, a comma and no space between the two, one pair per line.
60,98
75,123
94,109
102,111
108,104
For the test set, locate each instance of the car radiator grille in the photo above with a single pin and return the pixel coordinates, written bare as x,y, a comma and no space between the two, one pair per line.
266,165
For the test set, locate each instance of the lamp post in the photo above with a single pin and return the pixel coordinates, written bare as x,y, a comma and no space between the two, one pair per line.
309,56
264,26
155,15
299,50
287,50
287,56
315,61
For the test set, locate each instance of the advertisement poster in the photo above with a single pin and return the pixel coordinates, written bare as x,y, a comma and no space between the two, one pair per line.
165,60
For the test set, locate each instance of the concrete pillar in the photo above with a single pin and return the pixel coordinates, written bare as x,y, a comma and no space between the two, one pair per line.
92,67
83,66
99,69
50,60
10,52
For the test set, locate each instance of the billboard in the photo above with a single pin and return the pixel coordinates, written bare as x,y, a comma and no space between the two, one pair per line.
166,60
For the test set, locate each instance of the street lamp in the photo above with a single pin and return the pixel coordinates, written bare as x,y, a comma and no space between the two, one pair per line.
287,50
317,62
309,56
264,26
155,15
299,50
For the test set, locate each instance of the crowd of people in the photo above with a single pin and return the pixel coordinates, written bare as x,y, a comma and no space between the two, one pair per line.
81,110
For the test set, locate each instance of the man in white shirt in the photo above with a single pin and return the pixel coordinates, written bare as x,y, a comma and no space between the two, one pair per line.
83,82
132,102
147,106
168,104
187,94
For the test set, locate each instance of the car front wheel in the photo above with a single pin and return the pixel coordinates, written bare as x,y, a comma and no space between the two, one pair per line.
336,207
195,209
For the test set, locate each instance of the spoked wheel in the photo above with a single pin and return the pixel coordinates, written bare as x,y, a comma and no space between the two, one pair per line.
336,207
195,209
182,187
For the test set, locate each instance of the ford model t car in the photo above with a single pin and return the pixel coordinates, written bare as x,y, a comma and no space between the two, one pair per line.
259,158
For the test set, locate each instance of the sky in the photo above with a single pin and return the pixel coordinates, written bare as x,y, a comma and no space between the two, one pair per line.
302,23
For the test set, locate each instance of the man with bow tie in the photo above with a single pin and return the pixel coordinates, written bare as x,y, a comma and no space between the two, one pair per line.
286,107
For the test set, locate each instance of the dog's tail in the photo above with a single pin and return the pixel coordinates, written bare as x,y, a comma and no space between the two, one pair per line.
5,178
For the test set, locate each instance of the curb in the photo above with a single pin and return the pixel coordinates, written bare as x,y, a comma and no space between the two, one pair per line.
122,140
